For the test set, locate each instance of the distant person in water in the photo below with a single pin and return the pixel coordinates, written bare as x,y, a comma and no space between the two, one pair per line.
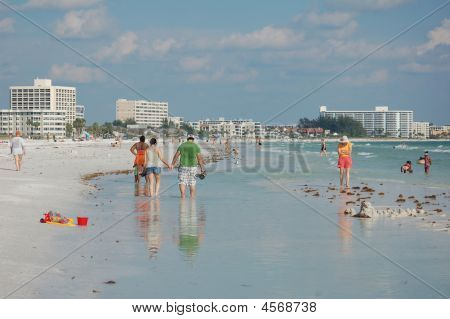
18,149
152,172
236,155
407,167
344,161
323,147
190,158
427,162
139,150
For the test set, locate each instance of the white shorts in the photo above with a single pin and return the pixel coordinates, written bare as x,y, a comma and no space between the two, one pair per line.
186,176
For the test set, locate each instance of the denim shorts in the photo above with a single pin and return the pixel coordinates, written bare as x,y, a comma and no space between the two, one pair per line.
153,170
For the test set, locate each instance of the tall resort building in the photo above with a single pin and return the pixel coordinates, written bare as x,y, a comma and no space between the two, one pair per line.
46,97
41,109
145,113
380,122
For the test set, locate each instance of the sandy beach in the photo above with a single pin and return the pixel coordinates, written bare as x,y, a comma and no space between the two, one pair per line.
264,231
52,179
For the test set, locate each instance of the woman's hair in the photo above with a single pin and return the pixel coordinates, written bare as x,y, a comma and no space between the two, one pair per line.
142,139
153,141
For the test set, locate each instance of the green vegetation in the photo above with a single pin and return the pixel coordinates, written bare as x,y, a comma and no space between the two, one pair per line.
343,125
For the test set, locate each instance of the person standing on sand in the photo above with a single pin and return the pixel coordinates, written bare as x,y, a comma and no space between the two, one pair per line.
139,150
153,171
18,149
190,157
427,162
344,161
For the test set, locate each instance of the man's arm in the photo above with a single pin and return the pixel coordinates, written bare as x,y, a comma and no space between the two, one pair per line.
201,162
175,158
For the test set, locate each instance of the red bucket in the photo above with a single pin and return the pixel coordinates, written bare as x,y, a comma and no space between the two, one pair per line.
82,221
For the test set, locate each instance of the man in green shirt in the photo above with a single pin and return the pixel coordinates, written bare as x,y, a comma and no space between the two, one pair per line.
190,157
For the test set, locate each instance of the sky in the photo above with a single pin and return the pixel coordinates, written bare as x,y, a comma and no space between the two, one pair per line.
263,60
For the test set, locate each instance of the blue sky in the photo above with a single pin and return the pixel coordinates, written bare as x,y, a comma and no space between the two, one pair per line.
238,59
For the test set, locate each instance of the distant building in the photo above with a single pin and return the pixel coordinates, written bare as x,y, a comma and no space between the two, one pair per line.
33,122
79,112
439,130
421,129
230,128
176,120
148,113
43,96
380,122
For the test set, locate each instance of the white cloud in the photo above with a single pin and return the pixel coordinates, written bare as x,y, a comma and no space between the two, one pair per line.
125,45
59,4
416,67
77,74
437,36
377,77
372,4
331,19
194,63
83,23
158,47
6,25
267,37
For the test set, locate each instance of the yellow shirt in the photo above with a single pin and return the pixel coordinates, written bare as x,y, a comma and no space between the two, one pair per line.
344,150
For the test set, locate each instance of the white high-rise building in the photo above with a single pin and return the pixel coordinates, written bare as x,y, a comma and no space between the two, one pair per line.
421,129
380,122
43,96
148,113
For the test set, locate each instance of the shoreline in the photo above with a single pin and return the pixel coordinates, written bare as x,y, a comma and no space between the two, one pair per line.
55,176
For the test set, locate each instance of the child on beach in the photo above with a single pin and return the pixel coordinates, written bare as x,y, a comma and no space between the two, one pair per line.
406,168
427,162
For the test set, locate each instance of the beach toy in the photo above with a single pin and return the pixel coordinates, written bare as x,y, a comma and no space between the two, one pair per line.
82,221
55,218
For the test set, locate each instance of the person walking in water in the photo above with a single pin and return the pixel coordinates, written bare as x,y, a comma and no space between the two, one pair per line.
190,158
139,150
426,162
323,147
344,161
18,149
153,171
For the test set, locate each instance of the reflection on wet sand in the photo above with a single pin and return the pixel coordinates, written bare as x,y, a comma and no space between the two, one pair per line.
148,219
345,226
191,228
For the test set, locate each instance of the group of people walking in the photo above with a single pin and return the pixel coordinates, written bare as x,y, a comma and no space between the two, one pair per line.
148,160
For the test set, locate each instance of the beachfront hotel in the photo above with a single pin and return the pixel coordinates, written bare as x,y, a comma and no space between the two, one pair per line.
39,110
421,129
43,96
230,128
380,122
146,113
33,122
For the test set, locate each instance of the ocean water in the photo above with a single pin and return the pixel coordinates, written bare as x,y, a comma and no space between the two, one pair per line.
252,233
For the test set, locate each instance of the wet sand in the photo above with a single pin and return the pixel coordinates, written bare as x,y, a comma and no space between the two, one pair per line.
54,177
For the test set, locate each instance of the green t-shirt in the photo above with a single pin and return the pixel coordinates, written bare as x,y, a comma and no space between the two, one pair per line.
188,151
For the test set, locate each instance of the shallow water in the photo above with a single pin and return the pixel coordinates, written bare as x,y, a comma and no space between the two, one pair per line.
249,235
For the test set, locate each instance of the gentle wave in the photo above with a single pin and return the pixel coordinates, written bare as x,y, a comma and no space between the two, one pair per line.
364,153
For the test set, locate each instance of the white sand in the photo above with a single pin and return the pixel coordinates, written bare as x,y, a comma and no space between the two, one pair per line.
50,180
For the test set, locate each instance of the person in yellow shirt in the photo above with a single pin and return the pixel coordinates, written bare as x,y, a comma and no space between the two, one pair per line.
344,161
